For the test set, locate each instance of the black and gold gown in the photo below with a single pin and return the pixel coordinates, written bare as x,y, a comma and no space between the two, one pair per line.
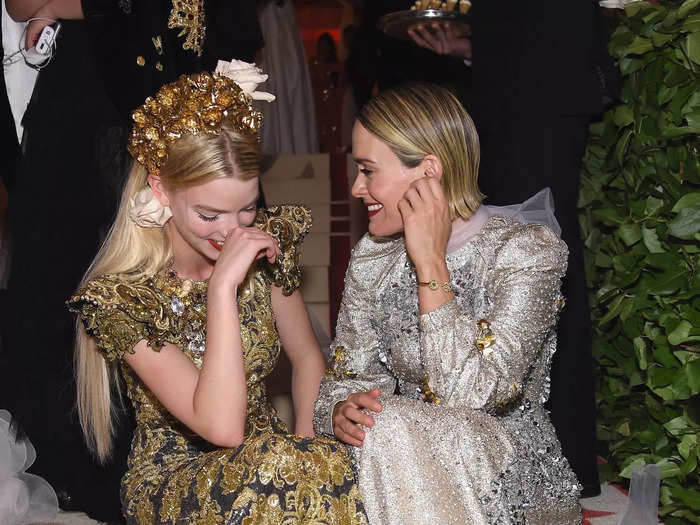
174,475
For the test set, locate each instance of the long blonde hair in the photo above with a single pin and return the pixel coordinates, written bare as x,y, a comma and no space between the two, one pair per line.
417,120
134,252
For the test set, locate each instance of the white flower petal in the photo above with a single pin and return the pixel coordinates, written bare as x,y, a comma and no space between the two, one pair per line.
145,210
247,76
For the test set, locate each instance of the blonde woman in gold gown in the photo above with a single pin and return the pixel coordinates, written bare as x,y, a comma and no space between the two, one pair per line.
190,299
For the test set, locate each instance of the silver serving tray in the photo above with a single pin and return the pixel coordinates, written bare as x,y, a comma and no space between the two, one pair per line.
397,24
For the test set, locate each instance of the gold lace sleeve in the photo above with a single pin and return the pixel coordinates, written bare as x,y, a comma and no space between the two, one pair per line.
289,224
119,314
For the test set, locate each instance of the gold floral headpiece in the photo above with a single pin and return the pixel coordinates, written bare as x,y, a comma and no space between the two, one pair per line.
194,104
462,6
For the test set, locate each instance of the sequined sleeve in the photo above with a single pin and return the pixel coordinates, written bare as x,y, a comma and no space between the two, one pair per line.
289,224
354,365
483,363
118,315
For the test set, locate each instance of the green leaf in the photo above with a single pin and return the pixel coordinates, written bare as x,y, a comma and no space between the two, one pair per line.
687,222
630,233
653,205
640,348
622,145
689,199
677,425
692,104
658,376
609,215
680,333
623,115
687,7
639,46
691,24
651,241
693,119
665,261
662,353
692,372
668,469
691,314
627,471
687,444
688,496
669,282
690,463
613,310
659,39
693,47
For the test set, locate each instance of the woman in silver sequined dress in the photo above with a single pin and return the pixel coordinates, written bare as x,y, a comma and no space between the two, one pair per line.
440,365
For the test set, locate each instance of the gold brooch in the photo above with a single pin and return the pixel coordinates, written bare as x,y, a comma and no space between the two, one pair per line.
336,367
485,338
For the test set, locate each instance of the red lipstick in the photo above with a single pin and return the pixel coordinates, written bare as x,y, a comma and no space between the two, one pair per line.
215,245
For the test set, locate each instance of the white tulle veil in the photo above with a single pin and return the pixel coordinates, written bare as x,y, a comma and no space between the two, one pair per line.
538,208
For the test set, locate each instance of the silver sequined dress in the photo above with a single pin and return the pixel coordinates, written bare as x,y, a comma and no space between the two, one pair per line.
463,436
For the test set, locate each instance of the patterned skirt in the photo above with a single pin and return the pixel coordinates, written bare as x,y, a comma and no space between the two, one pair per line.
272,478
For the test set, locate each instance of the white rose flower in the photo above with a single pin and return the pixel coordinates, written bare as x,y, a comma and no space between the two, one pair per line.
247,76
146,211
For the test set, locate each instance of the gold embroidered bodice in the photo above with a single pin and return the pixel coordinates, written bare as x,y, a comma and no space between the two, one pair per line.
166,309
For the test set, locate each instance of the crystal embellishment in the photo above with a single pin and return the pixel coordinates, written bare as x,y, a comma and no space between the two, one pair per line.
176,305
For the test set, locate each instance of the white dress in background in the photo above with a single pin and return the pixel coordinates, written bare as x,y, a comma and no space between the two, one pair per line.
289,125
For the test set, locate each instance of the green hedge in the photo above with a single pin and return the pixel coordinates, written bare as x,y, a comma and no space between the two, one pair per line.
640,217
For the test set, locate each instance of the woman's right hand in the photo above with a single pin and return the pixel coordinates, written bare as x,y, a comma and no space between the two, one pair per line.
347,415
243,246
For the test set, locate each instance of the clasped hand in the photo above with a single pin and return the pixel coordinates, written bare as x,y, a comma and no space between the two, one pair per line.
243,246
348,414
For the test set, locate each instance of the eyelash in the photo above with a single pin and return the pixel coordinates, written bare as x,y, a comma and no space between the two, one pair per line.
212,219
365,172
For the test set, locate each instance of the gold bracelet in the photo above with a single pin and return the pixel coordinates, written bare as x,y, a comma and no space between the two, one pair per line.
434,285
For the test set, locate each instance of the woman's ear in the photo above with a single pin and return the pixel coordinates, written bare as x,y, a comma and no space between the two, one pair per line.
158,189
432,167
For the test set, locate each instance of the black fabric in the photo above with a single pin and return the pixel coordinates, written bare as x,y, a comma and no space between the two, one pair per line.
58,209
65,196
535,88
8,135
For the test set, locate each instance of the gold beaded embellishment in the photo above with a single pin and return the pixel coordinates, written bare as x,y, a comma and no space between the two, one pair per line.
189,16
485,338
193,104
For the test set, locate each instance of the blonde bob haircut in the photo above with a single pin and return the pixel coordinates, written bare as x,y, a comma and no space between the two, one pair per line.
134,252
417,120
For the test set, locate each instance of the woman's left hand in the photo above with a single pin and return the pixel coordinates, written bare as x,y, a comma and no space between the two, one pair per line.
427,225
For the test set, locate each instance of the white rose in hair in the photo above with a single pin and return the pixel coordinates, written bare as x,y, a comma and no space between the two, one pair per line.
247,76
146,211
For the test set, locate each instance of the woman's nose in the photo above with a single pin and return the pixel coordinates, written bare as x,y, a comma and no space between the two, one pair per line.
359,189
229,227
